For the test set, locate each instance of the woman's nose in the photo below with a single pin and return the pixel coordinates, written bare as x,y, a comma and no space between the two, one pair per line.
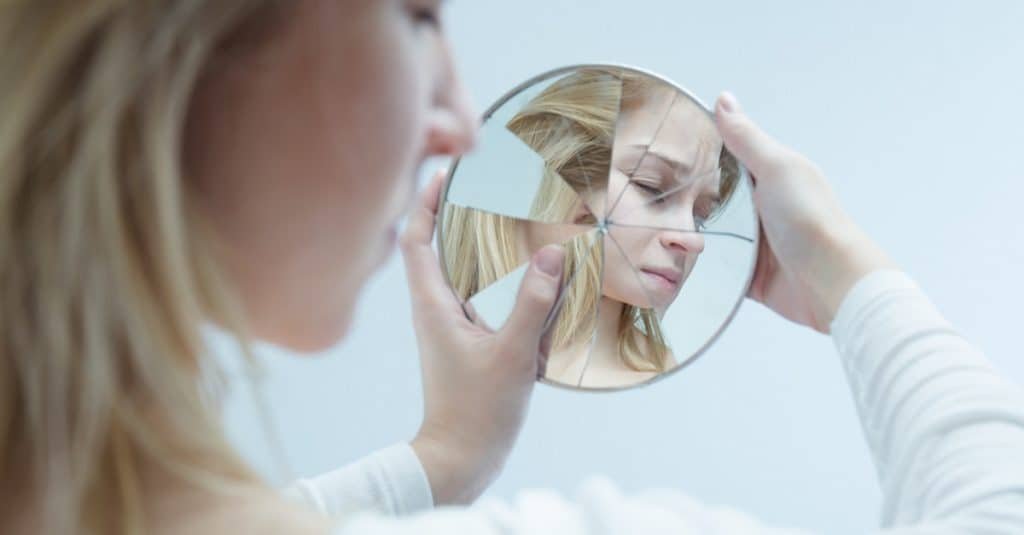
453,122
689,242
680,230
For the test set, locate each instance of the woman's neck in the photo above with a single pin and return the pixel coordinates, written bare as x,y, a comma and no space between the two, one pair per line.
567,365
605,351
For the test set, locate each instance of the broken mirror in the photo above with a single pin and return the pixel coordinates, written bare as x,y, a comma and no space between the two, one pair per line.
626,170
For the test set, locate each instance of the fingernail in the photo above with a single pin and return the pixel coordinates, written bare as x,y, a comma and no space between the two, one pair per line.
728,103
549,260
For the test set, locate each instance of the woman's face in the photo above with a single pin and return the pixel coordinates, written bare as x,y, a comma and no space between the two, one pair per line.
305,151
664,177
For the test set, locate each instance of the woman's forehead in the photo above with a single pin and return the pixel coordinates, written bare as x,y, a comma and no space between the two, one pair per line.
670,123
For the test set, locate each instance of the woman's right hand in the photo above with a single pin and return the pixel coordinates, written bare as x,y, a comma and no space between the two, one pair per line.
477,382
811,252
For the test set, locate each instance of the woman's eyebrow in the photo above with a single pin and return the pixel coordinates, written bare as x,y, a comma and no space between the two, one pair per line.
675,164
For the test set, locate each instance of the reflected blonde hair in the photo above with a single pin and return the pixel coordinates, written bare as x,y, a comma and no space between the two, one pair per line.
106,270
571,125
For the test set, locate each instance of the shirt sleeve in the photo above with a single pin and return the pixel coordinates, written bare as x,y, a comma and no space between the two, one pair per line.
945,429
388,482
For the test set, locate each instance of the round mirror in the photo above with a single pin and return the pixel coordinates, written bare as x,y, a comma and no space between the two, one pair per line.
627,171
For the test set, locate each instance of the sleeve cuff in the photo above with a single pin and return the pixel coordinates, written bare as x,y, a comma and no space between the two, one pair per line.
391,481
401,468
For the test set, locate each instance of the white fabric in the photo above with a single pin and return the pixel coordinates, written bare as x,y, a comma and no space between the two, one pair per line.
945,429
389,482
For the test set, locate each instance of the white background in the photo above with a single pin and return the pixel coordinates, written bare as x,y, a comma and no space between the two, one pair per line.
915,111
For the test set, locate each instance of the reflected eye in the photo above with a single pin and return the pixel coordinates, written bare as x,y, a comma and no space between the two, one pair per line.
650,191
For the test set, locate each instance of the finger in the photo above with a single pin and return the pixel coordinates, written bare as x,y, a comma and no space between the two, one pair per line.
762,154
537,294
544,352
420,229
548,336
422,268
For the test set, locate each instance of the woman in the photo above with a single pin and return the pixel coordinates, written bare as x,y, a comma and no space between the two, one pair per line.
616,142
165,163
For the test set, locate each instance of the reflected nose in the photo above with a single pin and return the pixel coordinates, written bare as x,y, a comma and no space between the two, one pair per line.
453,122
688,242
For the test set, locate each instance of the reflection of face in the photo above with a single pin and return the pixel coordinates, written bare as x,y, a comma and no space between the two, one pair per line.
663,175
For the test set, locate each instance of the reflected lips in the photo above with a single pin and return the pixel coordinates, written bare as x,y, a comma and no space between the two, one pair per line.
664,278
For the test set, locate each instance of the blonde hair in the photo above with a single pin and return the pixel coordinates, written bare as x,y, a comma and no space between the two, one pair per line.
106,271
571,124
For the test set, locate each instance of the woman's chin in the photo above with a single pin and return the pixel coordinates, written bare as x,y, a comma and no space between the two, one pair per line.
309,338
315,347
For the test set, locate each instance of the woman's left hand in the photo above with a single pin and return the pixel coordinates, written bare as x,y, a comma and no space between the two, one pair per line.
476,382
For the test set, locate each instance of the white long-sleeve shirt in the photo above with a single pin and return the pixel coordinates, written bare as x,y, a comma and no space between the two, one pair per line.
945,429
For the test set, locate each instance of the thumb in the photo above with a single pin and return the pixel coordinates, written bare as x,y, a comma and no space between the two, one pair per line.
537,294
762,154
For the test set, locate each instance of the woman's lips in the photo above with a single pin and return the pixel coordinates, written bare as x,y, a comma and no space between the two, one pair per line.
664,279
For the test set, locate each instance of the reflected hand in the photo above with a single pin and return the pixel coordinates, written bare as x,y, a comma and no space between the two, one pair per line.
476,382
811,251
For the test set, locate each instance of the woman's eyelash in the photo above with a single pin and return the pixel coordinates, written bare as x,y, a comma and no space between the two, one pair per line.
651,190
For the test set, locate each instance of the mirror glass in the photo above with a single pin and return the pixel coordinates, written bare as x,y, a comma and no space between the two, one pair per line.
627,171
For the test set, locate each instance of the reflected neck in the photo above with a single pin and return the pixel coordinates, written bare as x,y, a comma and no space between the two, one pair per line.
605,351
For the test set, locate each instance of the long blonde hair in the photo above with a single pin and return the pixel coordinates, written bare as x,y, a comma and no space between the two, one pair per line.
106,271
571,125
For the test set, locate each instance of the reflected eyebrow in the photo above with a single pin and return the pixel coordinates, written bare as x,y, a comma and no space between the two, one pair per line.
683,167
